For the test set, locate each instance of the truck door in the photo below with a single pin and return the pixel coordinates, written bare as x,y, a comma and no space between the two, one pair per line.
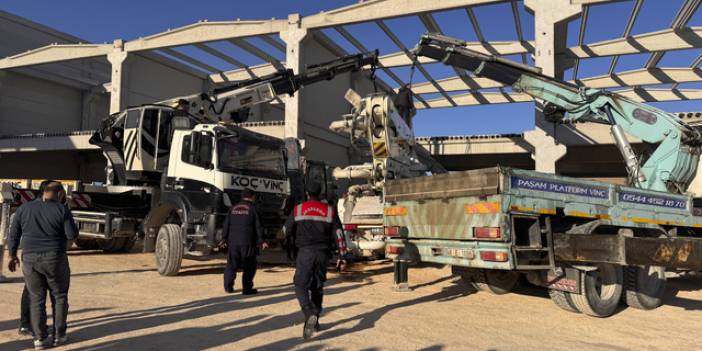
194,173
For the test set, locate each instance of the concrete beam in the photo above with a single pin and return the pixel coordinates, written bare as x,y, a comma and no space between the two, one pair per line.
475,145
372,10
456,84
477,98
663,40
55,53
654,95
203,32
644,76
243,73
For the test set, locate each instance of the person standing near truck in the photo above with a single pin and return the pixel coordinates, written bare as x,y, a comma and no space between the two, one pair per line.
45,227
317,234
243,235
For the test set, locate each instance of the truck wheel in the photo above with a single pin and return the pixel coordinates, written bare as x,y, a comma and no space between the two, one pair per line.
645,286
112,245
601,290
169,249
495,281
563,300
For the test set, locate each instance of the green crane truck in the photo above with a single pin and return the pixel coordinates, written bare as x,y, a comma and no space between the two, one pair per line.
592,244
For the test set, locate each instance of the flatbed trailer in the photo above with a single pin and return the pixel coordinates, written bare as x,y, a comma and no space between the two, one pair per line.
589,242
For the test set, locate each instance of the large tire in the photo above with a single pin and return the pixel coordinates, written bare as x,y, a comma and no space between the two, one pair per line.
113,244
495,281
563,300
645,286
601,291
169,249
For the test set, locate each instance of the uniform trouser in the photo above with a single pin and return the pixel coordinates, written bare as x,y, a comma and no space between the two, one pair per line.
310,275
243,257
47,271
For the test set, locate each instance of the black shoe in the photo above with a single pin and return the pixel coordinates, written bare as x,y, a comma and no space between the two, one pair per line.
60,340
24,331
316,326
250,292
309,328
229,290
43,344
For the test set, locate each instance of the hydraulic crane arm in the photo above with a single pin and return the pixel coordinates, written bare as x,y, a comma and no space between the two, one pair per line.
670,167
239,96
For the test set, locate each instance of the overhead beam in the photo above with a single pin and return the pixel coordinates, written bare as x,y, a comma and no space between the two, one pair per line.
55,53
243,73
272,42
383,9
203,32
656,95
663,40
681,19
220,55
190,60
643,76
256,51
456,84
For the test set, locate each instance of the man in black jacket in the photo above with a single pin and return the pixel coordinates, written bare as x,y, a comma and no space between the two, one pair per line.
317,234
45,227
243,234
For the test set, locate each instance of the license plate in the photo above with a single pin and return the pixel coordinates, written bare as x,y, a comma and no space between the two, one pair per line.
462,253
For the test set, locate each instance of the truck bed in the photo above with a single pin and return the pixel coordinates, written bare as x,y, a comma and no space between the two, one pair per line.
505,190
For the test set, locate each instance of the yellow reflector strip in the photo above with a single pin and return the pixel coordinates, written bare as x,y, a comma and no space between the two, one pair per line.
395,211
482,207
547,211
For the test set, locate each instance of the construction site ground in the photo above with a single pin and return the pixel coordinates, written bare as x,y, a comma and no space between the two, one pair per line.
119,302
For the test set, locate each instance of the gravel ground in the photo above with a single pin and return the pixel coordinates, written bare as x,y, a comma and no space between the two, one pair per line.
119,302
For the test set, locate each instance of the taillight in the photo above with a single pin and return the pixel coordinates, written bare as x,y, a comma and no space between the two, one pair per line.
395,211
350,227
494,256
394,250
392,231
487,233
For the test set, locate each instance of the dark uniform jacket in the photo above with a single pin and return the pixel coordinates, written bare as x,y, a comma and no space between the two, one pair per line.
242,227
314,225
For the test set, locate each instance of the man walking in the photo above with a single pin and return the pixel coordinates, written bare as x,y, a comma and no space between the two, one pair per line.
243,234
317,234
45,228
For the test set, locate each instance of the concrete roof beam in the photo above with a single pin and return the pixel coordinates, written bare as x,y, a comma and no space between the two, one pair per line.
55,53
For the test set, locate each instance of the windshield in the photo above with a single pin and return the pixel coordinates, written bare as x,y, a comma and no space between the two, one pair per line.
237,156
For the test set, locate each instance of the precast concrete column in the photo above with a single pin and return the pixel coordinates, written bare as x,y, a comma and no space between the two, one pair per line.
551,19
118,84
293,37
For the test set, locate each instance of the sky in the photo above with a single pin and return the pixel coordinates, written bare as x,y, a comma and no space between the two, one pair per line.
103,21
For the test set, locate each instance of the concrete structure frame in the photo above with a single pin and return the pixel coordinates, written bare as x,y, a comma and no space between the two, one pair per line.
297,41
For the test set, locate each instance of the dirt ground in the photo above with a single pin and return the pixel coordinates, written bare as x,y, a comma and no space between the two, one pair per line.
119,302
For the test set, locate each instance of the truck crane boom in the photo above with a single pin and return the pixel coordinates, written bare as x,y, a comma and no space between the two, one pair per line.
240,96
137,141
670,167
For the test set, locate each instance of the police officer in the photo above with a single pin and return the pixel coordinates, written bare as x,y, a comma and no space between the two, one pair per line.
243,234
317,233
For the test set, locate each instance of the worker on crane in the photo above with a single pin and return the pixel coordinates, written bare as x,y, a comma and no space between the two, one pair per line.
317,233
243,235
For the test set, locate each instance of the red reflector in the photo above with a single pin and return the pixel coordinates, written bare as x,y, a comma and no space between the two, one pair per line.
392,231
494,256
487,233
350,226
394,250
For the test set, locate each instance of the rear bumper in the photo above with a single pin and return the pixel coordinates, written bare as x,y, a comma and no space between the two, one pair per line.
451,252
679,252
